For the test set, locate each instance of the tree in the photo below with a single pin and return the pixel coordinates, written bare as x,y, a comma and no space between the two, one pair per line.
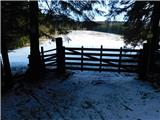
60,13
35,69
15,22
141,20
142,24
17,26
11,29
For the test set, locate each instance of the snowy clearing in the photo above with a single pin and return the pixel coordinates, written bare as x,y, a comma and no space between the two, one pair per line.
84,96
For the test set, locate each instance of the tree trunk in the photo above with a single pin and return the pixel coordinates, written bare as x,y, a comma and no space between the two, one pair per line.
6,65
155,25
35,59
155,19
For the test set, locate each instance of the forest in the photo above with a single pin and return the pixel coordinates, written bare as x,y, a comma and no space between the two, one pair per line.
24,23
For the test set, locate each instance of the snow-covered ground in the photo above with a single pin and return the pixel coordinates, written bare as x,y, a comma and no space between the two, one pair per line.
81,95
84,96
77,38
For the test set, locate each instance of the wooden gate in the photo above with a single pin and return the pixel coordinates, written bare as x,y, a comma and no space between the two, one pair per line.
102,59
96,59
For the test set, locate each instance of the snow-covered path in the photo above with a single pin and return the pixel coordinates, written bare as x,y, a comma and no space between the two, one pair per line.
84,96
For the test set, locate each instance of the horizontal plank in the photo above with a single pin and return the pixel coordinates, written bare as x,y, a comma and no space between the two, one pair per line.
130,66
50,58
51,64
122,60
103,59
85,64
51,69
104,54
48,55
130,55
130,50
49,50
104,49
76,48
97,64
76,63
70,53
97,69
77,58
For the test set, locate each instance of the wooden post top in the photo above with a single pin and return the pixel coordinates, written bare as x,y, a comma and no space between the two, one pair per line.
59,42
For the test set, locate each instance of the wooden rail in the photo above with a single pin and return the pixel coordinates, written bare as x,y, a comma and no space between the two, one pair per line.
123,59
104,49
48,58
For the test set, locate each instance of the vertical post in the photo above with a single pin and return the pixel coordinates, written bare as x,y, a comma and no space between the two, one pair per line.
42,57
29,59
120,58
60,55
82,59
100,67
140,62
145,60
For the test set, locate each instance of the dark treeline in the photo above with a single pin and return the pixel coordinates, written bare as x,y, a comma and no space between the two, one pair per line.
115,27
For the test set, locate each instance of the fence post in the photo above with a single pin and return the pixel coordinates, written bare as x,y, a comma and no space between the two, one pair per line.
29,59
120,58
42,57
100,67
140,63
144,60
82,59
60,55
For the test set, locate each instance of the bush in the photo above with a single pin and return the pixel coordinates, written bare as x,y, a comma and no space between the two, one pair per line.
23,41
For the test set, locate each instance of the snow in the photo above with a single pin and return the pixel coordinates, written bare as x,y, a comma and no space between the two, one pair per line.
19,59
84,96
94,39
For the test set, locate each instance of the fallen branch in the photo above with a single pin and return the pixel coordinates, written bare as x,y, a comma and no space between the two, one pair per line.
126,107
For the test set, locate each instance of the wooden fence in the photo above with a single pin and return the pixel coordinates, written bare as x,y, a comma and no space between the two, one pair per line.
49,58
97,59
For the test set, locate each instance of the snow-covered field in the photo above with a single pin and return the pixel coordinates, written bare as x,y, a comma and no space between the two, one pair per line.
94,39
84,96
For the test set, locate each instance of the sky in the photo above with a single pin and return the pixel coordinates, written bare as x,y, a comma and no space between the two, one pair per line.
106,9
98,17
